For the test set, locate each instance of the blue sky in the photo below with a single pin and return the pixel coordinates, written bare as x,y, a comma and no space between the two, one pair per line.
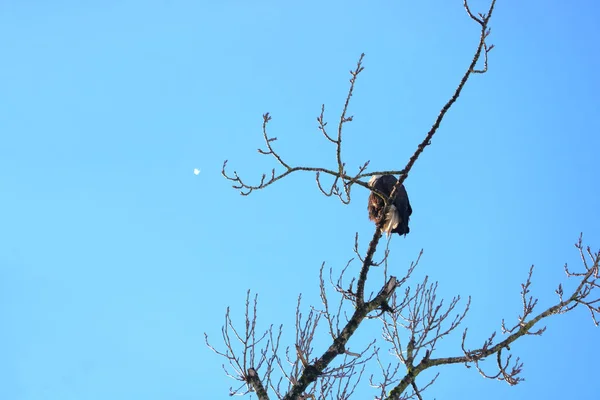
116,258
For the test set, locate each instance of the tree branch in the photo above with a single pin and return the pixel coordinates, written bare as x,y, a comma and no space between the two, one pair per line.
254,381
579,296
426,142
338,347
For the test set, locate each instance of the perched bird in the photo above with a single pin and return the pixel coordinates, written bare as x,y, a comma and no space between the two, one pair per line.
398,215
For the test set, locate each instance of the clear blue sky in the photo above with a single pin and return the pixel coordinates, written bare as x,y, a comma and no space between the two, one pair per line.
115,257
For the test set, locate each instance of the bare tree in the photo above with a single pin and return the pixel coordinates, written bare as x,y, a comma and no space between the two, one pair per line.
412,317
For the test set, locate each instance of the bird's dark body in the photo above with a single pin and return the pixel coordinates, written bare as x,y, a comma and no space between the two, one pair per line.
399,214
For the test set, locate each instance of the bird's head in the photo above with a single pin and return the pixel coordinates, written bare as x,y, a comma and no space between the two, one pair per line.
373,179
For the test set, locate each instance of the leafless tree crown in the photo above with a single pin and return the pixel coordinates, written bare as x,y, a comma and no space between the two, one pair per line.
413,319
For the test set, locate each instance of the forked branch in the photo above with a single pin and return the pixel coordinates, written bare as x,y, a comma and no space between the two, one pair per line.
341,186
585,294
342,181
481,48
244,367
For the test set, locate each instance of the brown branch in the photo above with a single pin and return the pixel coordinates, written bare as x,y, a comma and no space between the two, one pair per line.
312,371
346,180
425,315
426,142
252,357
268,140
416,389
579,296
528,306
343,118
338,347
245,188
254,381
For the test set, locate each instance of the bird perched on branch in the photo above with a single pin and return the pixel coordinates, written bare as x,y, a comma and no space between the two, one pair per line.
398,215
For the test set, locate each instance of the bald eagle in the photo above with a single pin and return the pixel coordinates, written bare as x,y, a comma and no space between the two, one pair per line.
398,215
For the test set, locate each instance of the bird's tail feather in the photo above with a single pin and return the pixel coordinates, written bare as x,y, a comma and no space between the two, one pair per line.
392,219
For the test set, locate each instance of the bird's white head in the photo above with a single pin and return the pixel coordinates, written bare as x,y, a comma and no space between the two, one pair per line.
373,180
